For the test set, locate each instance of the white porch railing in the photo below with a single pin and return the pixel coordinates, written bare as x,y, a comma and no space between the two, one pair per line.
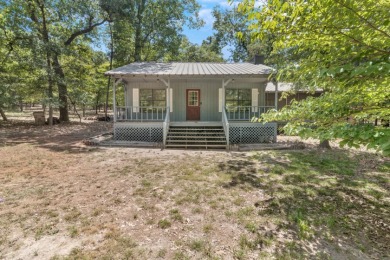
225,123
166,128
246,113
141,113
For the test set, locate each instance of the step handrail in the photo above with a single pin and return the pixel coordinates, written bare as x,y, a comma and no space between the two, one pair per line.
225,123
166,128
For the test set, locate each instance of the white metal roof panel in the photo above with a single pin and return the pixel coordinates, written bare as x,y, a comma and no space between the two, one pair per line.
190,69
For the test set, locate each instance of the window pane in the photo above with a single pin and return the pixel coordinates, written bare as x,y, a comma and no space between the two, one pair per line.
231,103
245,94
152,98
231,94
145,103
159,103
246,103
193,98
159,94
238,97
145,94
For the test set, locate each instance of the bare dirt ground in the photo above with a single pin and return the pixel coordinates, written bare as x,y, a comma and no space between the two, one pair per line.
60,199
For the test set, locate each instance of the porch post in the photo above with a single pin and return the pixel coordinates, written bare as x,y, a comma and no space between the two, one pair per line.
116,82
114,99
168,85
169,97
276,94
224,84
223,95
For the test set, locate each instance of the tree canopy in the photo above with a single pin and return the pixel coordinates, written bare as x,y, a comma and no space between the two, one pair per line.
51,50
340,46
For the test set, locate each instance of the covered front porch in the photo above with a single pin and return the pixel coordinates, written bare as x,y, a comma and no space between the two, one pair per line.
186,110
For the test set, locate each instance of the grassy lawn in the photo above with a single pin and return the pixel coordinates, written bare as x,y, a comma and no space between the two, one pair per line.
126,203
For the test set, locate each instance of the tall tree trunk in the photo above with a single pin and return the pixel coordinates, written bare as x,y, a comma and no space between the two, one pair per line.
62,89
138,31
3,114
324,144
97,102
44,33
111,58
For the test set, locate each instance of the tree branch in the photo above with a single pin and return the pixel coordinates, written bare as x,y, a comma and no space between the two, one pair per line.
363,19
84,31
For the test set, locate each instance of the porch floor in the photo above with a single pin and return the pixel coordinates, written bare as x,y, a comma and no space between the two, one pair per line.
196,123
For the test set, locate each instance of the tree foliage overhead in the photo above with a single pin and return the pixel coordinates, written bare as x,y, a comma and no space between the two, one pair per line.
149,30
208,51
232,32
50,30
341,46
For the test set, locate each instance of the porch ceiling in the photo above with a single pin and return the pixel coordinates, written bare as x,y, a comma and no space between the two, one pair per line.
181,70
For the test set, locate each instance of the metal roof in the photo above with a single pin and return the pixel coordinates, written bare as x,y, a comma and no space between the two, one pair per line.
285,86
191,69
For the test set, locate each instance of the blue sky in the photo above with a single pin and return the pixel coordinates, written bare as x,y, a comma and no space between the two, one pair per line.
197,36
205,13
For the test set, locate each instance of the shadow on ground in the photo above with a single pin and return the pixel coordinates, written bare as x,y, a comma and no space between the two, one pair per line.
335,201
59,138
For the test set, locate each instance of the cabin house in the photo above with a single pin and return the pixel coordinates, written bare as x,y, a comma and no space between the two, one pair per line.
207,105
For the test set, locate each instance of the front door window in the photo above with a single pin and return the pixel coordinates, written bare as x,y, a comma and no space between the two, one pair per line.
193,100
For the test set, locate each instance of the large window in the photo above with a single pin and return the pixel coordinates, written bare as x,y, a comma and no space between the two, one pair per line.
238,98
153,98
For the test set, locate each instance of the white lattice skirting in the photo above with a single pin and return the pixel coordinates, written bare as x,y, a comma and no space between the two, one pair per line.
252,133
138,133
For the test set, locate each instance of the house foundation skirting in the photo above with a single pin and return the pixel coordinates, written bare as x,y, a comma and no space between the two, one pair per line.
239,132
141,132
252,133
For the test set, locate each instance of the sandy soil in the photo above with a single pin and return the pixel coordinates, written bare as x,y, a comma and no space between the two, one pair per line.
60,197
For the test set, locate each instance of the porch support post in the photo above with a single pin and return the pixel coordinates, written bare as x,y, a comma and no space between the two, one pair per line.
224,84
223,95
276,94
167,83
116,82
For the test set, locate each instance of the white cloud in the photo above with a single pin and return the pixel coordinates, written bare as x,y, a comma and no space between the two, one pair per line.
207,16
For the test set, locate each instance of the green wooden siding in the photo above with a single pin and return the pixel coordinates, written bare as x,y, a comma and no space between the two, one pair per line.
208,99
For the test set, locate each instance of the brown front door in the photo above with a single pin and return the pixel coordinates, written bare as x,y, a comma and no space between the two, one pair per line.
193,104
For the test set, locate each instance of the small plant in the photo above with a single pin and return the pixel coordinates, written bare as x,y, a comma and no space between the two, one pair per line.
207,228
251,227
180,256
197,210
164,223
244,242
161,253
239,254
197,245
277,169
146,183
175,215
73,231
73,215
238,201
97,212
